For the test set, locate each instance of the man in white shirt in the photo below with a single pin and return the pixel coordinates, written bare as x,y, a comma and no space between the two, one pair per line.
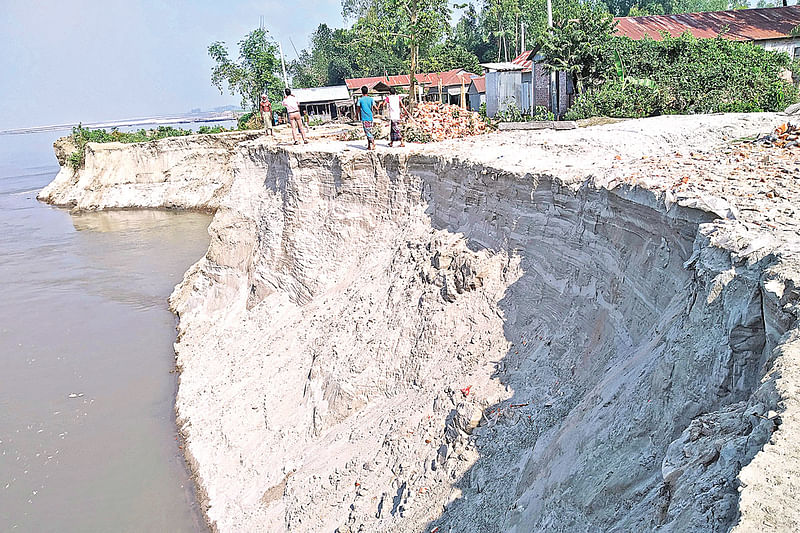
293,113
396,110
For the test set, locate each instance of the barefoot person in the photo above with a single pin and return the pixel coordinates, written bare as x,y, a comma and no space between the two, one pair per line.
365,106
395,107
293,114
266,114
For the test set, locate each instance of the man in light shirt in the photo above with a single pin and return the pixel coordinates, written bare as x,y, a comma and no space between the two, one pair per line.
396,108
293,114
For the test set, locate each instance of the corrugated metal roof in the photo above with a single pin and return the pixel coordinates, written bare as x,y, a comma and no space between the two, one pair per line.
504,66
523,61
741,24
479,83
322,94
450,77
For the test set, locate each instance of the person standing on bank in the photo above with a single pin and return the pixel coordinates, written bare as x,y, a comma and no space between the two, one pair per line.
366,104
395,105
293,114
266,114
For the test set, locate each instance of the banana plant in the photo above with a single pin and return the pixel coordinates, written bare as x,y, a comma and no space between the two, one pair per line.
643,82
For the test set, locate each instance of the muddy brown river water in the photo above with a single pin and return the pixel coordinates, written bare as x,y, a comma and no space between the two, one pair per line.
87,430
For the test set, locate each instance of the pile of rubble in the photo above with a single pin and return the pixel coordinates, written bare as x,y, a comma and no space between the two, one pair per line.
785,136
437,122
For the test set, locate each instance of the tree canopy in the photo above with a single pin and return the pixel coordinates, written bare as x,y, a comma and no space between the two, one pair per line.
255,69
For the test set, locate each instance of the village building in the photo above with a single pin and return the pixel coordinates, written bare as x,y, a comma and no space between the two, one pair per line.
328,103
434,86
524,79
773,28
477,92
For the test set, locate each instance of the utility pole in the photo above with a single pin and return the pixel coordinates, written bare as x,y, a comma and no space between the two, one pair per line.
283,64
553,74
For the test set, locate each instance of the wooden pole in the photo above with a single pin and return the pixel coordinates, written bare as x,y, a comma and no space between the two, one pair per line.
553,91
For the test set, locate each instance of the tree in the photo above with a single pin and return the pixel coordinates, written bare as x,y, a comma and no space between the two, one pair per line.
255,70
335,55
468,34
415,25
578,43
450,55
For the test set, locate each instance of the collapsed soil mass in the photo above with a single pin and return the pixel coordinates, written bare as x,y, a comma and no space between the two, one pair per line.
592,329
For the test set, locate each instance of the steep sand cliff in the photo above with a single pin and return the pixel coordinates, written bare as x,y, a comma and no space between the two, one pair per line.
500,334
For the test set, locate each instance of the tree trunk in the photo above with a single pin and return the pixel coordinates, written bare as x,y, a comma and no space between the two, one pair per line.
412,100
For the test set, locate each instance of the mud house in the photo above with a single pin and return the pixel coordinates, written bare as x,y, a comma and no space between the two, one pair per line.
773,28
325,102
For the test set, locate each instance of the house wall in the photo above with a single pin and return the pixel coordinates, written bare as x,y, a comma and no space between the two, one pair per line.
790,45
542,89
502,89
475,100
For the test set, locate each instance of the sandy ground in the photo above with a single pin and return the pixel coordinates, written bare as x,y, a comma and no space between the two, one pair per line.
592,329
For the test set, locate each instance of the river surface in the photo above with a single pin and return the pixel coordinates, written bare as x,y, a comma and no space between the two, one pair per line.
87,385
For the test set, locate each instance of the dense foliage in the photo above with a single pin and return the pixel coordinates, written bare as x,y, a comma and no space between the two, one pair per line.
412,26
378,43
677,75
82,136
579,42
688,75
255,70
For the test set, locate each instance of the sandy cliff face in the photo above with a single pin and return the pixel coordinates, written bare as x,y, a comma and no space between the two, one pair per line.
179,172
474,337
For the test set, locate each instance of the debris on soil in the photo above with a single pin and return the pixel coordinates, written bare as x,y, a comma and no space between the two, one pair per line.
756,177
437,122
786,135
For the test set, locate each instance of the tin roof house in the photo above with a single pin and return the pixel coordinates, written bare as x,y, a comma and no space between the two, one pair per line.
476,93
773,28
326,102
450,81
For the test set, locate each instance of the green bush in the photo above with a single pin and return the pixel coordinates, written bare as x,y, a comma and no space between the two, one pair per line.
204,130
512,113
690,75
618,99
241,124
81,136
541,112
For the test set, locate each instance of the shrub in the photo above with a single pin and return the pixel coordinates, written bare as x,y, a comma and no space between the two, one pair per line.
241,124
512,113
618,99
208,129
690,76
82,136
541,112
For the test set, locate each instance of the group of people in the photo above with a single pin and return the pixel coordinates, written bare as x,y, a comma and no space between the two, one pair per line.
292,111
367,105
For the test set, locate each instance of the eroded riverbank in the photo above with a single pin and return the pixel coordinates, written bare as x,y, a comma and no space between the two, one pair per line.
488,334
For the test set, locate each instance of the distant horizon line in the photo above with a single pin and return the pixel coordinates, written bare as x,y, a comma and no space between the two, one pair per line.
179,118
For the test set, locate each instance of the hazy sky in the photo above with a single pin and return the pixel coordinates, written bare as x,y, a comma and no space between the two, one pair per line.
65,61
